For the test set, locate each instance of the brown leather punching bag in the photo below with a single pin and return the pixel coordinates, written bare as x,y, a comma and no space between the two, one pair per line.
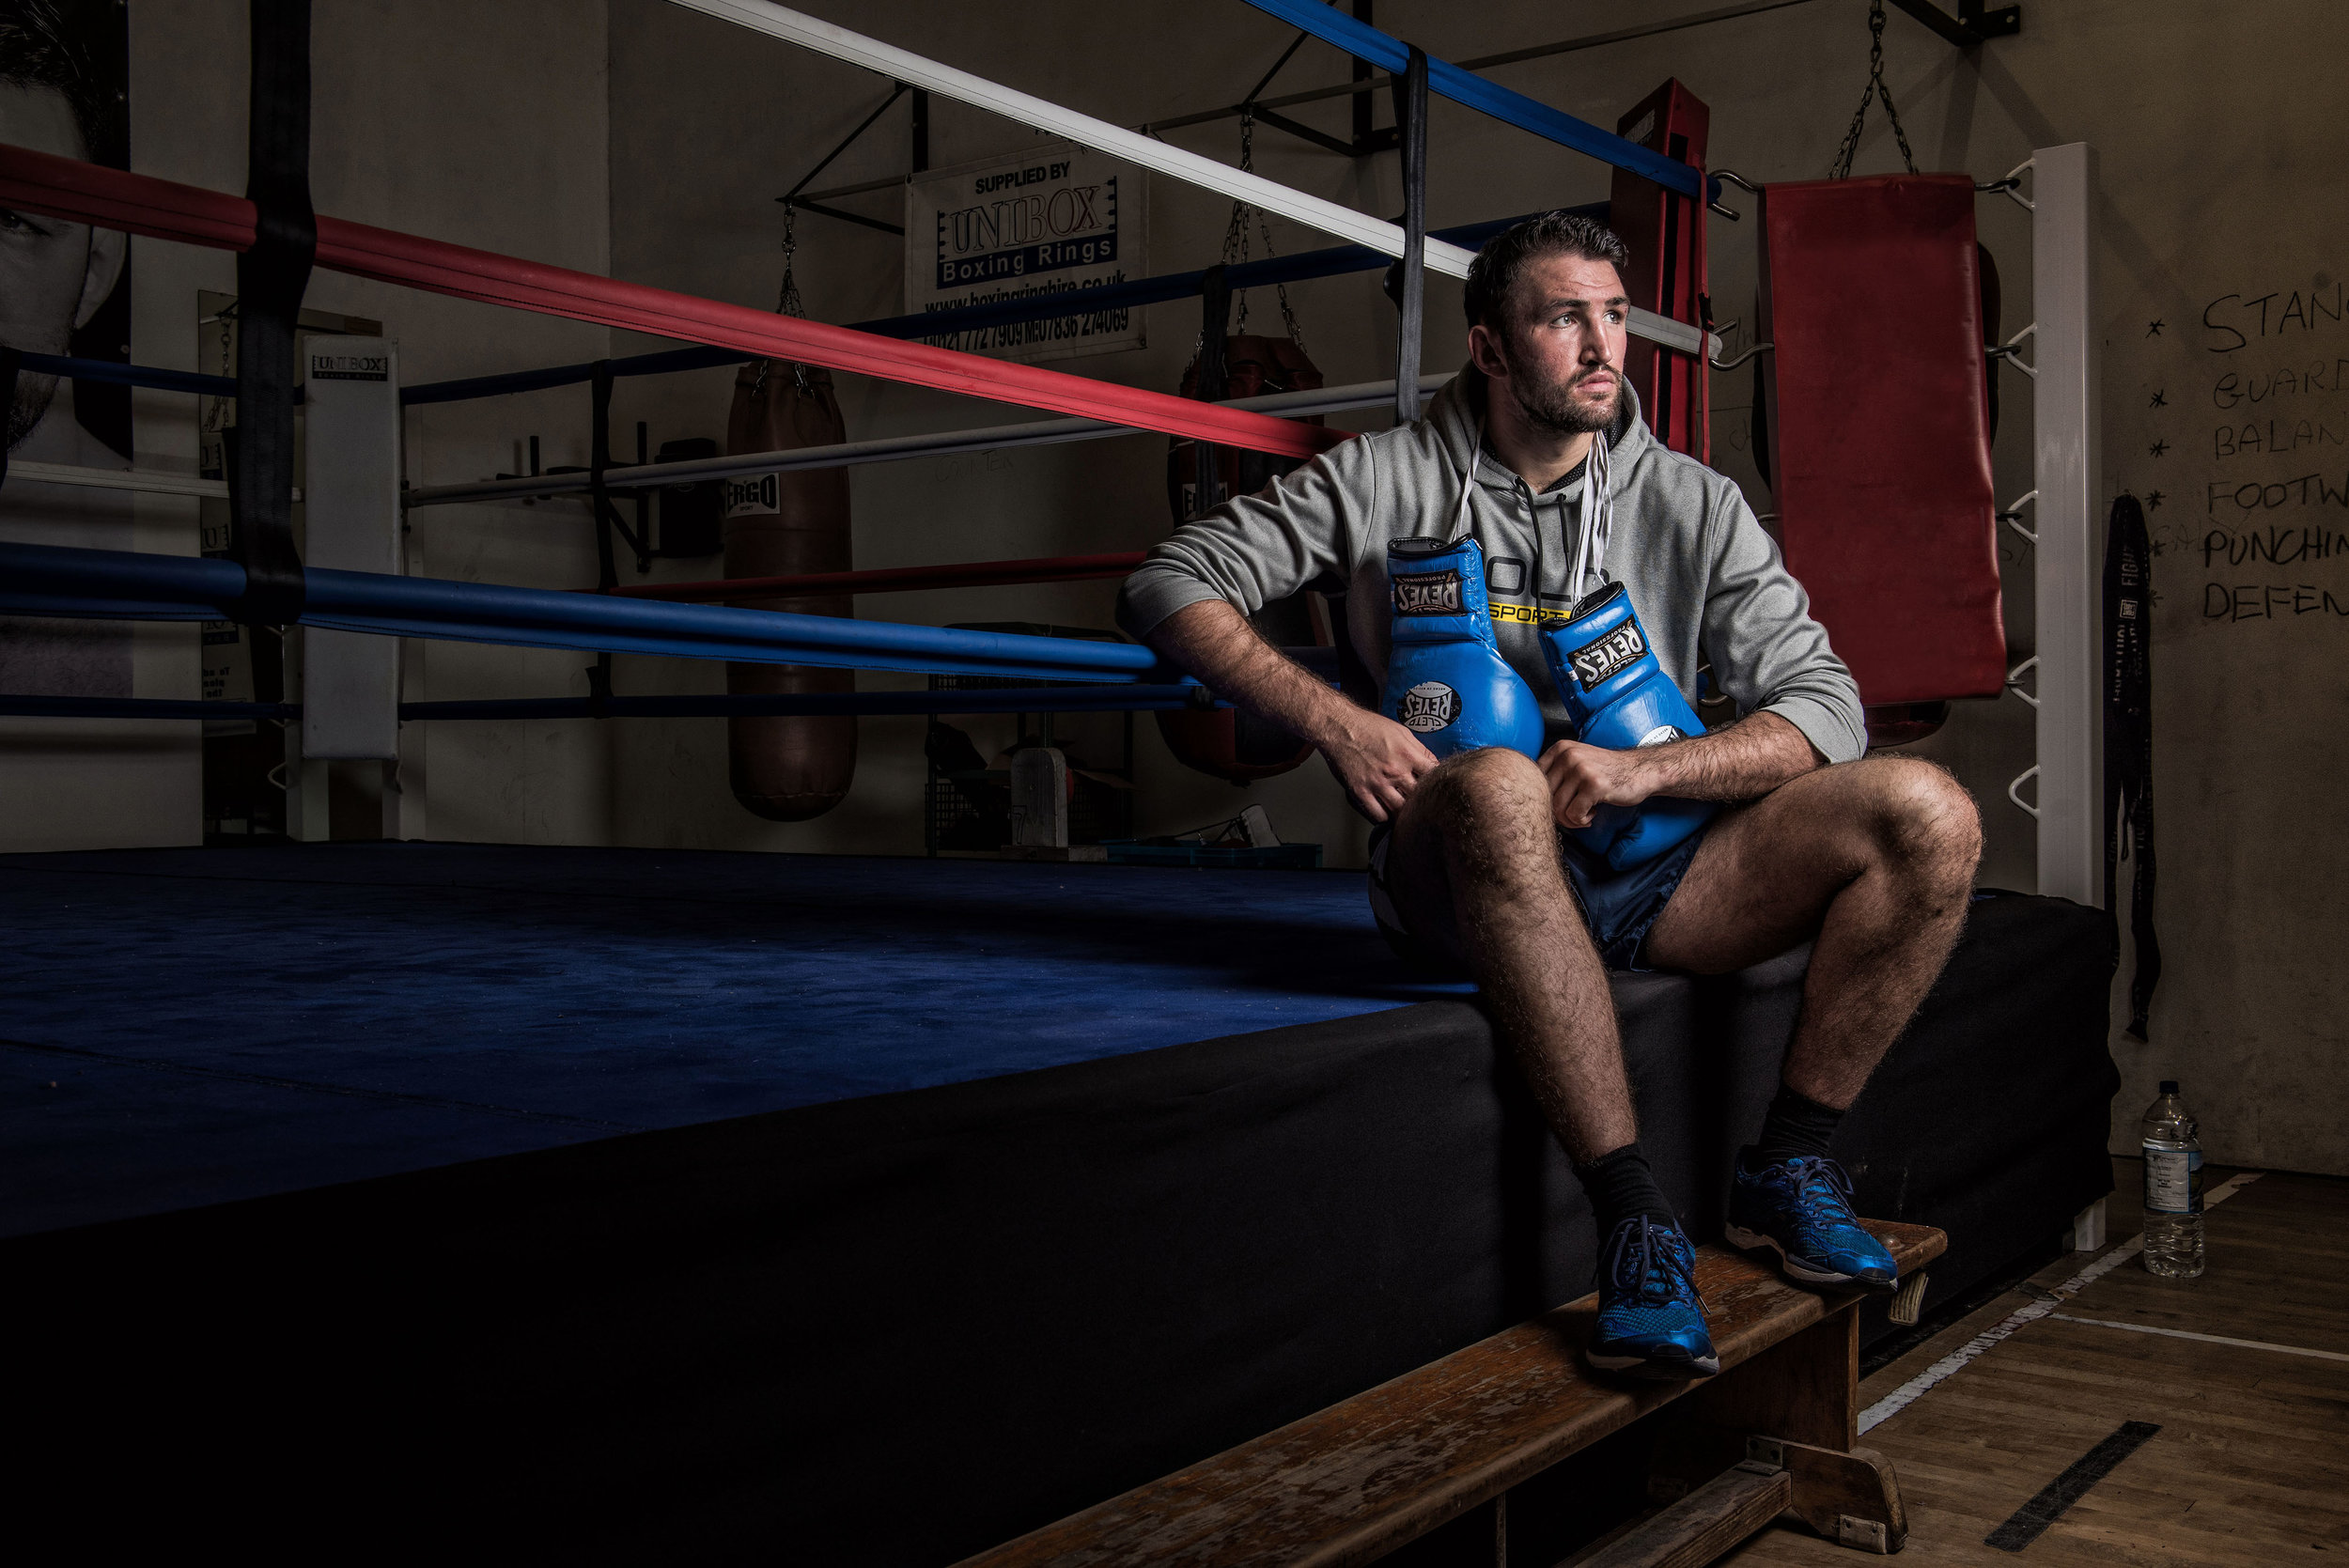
782,525
1226,743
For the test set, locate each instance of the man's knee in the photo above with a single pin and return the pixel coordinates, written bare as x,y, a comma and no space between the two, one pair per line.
1483,785
1491,805
1923,820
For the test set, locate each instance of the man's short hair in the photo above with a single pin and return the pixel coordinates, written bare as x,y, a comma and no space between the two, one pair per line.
45,44
1498,265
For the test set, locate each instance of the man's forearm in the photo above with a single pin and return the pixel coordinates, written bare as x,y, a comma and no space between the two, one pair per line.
1214,641
1743,762
1377,760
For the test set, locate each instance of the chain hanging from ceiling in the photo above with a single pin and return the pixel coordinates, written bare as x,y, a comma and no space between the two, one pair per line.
1235,235
787,301
1876,89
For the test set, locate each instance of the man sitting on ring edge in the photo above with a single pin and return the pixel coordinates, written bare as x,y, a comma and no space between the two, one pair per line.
1870,858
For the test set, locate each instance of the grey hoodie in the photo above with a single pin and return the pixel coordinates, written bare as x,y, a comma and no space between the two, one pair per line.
1704,578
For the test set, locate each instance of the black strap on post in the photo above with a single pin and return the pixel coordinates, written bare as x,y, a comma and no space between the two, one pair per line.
2129,744
270,279
608,519
599,459
600,687
11,361
1410,119
1215,312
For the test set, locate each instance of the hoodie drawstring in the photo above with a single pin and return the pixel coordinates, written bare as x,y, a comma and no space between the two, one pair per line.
1467,483
1596,514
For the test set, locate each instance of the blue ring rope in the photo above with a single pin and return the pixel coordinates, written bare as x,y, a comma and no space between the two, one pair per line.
1025,699
51,580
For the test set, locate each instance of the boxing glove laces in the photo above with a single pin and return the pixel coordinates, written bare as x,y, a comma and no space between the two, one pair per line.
1618,696
1446,680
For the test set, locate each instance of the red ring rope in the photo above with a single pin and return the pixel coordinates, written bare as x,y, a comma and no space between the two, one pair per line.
893,579
114,198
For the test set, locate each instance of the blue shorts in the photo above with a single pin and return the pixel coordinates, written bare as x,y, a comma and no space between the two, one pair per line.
1621,908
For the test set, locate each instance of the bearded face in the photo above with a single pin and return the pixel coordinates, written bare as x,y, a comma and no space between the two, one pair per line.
1563,401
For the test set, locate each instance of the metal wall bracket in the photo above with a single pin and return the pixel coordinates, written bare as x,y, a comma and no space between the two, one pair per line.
1973,24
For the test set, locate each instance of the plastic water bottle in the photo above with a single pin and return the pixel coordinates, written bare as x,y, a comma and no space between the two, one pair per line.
2173,1189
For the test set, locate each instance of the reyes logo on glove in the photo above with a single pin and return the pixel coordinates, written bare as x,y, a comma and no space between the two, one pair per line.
1427,593
1609,655
1429,706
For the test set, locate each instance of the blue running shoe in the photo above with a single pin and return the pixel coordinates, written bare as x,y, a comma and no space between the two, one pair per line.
1651,1320
1803,1207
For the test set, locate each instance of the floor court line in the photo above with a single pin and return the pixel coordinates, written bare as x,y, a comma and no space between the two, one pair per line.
1916,1388
2206,1339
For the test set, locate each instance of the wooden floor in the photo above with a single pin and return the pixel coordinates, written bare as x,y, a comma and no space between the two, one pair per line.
2251,1462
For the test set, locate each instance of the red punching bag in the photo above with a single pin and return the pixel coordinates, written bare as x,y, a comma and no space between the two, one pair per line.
1225,742
788,770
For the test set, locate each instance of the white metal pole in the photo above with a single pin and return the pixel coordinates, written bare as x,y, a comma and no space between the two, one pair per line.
2070,479
350,424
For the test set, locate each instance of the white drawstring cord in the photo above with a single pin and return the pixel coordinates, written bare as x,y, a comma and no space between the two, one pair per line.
1467,483
1597,515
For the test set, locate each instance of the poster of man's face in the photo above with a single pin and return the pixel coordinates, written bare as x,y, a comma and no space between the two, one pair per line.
64,287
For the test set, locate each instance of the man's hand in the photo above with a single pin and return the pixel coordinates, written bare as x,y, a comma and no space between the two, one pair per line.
1377,760
1584,778
1743,762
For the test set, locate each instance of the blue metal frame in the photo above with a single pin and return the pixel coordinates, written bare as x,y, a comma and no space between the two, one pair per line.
1366,42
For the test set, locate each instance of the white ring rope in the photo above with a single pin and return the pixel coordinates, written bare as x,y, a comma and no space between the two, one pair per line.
1328,217
1034,432
144,481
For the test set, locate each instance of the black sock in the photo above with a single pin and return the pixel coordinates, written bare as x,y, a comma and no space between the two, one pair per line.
1797,1126
1621,1186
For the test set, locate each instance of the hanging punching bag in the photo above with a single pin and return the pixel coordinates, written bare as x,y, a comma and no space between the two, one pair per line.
1225,742
788,770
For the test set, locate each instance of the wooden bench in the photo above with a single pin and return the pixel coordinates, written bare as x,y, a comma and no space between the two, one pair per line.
1776,1430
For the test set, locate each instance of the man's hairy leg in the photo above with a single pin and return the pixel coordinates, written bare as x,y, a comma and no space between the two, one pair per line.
1474,854
1876,858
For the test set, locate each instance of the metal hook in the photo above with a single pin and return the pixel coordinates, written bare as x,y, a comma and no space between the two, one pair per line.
2015,681
2013,516
2010,185
2020,780
2011,351
1732,177
1733,364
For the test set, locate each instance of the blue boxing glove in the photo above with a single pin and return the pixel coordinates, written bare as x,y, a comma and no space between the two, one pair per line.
1446,680
1619,697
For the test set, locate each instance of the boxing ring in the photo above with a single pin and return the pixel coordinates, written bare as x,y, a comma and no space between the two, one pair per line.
620,1204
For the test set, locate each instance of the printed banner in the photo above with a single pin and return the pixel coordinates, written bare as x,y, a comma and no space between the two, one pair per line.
1061,220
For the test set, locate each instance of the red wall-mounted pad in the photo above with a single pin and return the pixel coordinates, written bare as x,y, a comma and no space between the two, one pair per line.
1879,445
1665,232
